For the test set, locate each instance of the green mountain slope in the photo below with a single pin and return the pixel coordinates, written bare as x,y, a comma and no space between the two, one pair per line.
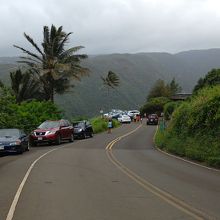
137,73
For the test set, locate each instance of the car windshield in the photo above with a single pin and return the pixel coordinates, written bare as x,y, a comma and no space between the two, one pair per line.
79,125
49,124
9,132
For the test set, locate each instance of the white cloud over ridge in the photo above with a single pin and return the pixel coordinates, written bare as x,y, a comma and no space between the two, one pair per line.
110,26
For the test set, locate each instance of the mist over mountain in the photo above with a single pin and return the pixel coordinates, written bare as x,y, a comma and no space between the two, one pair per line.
137,73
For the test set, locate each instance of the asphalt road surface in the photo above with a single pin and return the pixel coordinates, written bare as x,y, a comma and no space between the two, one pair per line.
118,176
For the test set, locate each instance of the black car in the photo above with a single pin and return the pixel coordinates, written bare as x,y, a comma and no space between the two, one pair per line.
13,140
83,129
152,119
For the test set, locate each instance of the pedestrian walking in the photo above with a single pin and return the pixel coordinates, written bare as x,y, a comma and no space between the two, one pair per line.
110,125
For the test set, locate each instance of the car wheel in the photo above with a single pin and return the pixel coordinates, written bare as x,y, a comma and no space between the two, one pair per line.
84,135
58,140
71,138
91,134
20,151
32,143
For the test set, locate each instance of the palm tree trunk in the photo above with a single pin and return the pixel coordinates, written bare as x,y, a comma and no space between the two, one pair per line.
52,94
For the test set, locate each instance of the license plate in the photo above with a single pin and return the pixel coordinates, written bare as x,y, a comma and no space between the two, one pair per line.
1,147
39,138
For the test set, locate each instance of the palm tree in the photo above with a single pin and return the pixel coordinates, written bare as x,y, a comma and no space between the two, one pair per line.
54,65
111,81
25,86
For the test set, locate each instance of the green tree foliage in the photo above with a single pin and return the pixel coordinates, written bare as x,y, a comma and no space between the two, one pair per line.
212,78
54,65
159,89
29,115
26,115
26,86
7,114
174,87
154,105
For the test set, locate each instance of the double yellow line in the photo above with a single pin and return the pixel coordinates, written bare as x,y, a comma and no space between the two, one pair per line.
111,144
167,197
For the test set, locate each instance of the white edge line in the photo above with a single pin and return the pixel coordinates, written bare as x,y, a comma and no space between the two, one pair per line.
19,191
180,158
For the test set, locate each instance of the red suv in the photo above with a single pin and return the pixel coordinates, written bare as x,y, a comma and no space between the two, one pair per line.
52,131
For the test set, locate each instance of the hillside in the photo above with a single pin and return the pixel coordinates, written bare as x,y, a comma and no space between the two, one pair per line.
137,73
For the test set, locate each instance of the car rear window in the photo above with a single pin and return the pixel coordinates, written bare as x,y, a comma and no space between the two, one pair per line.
152,116
79,125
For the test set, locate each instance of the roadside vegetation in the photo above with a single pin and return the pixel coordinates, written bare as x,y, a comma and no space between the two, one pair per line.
25,115
194,129
100,124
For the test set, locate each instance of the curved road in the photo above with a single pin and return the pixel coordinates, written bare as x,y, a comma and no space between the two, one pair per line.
118,176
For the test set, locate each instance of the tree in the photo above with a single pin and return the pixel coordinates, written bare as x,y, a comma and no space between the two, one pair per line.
54,65
159,89
174,87
211,78
25,86
111,81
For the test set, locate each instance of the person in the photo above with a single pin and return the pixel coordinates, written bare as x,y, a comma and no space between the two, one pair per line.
135,117
141,119
110,125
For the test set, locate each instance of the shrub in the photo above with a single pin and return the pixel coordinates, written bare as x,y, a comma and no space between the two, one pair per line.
195,128
101,124
169,109
28,115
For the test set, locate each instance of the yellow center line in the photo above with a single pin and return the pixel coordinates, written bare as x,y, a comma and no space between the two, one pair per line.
172,200
110,145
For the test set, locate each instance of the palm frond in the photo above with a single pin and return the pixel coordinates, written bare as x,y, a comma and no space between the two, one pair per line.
33,43
111,81
60,48
29,53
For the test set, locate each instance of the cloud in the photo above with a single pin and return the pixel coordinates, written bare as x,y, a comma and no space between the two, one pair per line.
109,26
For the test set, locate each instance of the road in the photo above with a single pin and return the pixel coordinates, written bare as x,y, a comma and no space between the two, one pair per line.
118,176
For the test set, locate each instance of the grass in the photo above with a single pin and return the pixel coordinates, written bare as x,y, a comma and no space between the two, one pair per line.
198,148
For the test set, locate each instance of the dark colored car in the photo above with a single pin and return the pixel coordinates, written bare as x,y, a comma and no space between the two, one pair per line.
13,140
152,119
52,132
83,129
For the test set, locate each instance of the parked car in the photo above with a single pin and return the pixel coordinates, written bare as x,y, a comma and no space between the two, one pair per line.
13,140
124,119
52,132
83,129
152,119
132,113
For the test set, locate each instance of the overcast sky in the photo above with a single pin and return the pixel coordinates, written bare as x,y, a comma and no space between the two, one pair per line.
114,26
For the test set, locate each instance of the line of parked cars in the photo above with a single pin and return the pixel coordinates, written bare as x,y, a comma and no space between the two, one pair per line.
52,131
122,116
